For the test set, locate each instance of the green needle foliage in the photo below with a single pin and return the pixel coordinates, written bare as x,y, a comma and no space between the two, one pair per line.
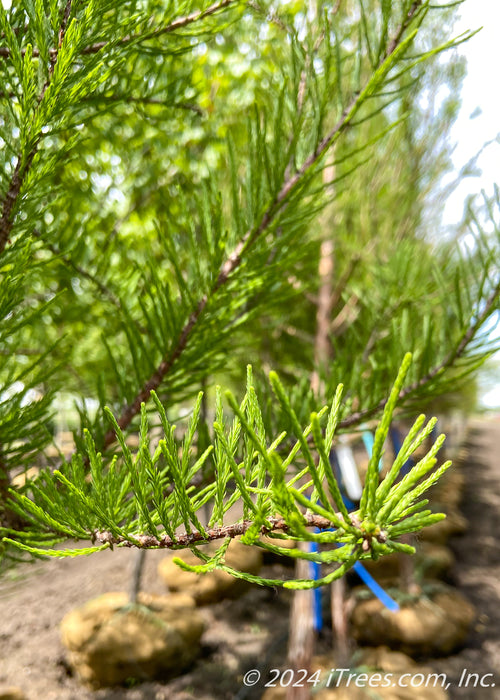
169,173
251,468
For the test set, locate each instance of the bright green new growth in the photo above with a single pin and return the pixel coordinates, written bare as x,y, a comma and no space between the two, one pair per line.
285,485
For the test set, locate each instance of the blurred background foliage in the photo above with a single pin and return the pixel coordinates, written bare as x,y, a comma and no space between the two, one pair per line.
156,159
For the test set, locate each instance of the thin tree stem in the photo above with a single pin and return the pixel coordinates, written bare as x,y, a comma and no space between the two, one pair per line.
301,636
135,583
190,538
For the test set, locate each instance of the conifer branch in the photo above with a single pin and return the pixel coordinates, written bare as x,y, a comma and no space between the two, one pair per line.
169,29
403,27
234,260
450,360
23,165
174,26
187,539
66,504
103,289
12,194
64,23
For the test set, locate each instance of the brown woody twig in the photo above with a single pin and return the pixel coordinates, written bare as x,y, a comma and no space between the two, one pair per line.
188,539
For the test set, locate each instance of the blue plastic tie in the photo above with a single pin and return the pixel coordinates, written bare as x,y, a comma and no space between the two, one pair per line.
315,568
375,588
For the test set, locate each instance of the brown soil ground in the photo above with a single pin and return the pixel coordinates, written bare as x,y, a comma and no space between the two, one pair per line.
246,633
477,572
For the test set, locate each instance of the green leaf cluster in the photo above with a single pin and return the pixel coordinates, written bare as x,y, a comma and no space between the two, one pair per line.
283,485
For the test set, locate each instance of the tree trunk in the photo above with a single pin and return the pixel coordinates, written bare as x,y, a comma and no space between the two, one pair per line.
135,584
301,638
339,623
322,348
